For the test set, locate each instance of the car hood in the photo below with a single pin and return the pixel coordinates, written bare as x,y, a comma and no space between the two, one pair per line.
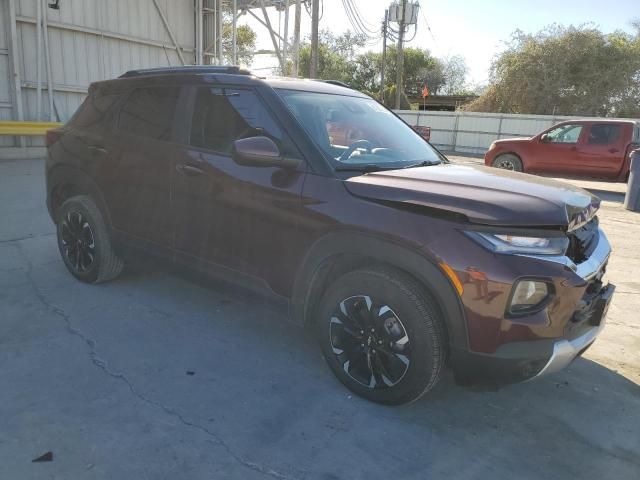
488,196
513,140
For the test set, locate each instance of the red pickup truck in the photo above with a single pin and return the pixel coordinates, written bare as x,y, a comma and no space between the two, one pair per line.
580,148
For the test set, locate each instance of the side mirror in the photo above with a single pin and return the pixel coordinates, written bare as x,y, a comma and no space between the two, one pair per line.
260,152
544,138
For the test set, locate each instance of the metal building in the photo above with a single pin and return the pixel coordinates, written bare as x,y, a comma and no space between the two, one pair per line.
82,41
63,45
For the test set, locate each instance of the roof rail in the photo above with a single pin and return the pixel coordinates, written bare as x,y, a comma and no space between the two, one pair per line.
335,82
192,69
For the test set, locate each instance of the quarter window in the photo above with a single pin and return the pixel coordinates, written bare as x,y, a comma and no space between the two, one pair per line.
222,115
604,134
149,112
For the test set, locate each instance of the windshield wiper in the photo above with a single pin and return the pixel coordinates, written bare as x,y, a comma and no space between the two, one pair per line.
366,168
425,163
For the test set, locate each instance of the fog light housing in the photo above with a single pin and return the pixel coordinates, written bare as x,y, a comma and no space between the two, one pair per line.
529,296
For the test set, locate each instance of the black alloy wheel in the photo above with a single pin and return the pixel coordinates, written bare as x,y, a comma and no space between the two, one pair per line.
370,342
382,334
84,241
78,242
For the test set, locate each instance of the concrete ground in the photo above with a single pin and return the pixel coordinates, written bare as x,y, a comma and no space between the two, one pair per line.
155,377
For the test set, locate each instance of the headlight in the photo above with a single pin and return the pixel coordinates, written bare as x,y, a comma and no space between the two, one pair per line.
517,244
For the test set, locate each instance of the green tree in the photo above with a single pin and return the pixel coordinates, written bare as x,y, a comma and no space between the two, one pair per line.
568,71
245,42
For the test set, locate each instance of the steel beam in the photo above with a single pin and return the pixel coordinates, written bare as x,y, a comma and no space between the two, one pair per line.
100,33
169,31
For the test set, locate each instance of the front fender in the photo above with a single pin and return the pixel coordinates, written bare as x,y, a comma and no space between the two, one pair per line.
359,245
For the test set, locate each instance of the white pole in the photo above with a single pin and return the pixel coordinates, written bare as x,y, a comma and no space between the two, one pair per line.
47,60
285,66
296,38
235,33
199,30
38,60
220,53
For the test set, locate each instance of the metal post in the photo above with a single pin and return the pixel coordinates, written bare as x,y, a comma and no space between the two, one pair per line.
13,51
285,70
47,60
400,61
272,34
38,60
169,31
199,32
219,37
296,38
234,33
384,53
315,12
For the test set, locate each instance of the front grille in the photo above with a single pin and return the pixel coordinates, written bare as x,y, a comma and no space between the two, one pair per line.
583,241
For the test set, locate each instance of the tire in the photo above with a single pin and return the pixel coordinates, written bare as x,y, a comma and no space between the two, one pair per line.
508,161
84,242
391,325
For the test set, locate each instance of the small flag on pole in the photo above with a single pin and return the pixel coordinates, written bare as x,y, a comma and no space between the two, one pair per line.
425,91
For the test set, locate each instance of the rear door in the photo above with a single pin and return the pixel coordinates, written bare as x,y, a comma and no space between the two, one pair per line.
137,181
557,153
241,217
602,154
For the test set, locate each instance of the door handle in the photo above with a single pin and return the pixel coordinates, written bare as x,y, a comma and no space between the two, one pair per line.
613,150
573,149
189,170
97,148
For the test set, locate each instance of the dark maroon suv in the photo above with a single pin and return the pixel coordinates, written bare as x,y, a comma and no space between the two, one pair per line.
401,262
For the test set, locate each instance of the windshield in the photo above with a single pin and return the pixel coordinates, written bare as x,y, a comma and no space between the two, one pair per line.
358,131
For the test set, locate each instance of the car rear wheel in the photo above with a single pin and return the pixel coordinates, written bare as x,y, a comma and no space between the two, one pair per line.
84,243
381,335
508,161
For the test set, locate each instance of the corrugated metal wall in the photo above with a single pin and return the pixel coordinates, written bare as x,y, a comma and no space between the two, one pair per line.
470,132
90,40
6,104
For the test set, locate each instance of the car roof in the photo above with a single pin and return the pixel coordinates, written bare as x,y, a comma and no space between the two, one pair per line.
220,74
599,120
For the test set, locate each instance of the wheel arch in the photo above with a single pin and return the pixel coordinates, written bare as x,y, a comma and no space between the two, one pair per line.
338,253
65,182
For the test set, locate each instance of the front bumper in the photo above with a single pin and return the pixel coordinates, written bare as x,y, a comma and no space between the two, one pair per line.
517,361
565,351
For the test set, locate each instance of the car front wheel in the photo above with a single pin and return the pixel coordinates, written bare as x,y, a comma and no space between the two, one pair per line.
508,161
382,335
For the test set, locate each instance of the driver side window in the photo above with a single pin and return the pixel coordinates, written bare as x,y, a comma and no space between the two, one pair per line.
223,115
564,134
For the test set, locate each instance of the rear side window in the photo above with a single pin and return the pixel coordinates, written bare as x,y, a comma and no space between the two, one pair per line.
604,134
149,112
93,110
222,115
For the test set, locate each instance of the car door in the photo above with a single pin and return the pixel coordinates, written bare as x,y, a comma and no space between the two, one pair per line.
240,217
557,149
602,154
137,179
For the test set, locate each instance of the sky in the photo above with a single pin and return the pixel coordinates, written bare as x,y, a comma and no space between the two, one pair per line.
474,29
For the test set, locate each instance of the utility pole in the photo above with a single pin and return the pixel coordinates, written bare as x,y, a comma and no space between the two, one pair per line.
315,11
296,38
384,53
400,61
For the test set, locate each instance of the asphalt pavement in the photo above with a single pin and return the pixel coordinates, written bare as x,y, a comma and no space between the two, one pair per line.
155,376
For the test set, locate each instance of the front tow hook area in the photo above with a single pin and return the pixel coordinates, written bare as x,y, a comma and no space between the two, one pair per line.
565,351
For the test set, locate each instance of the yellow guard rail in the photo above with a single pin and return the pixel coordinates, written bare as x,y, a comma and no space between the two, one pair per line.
26,128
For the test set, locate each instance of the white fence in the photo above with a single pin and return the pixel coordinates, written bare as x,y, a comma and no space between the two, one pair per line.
470,132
